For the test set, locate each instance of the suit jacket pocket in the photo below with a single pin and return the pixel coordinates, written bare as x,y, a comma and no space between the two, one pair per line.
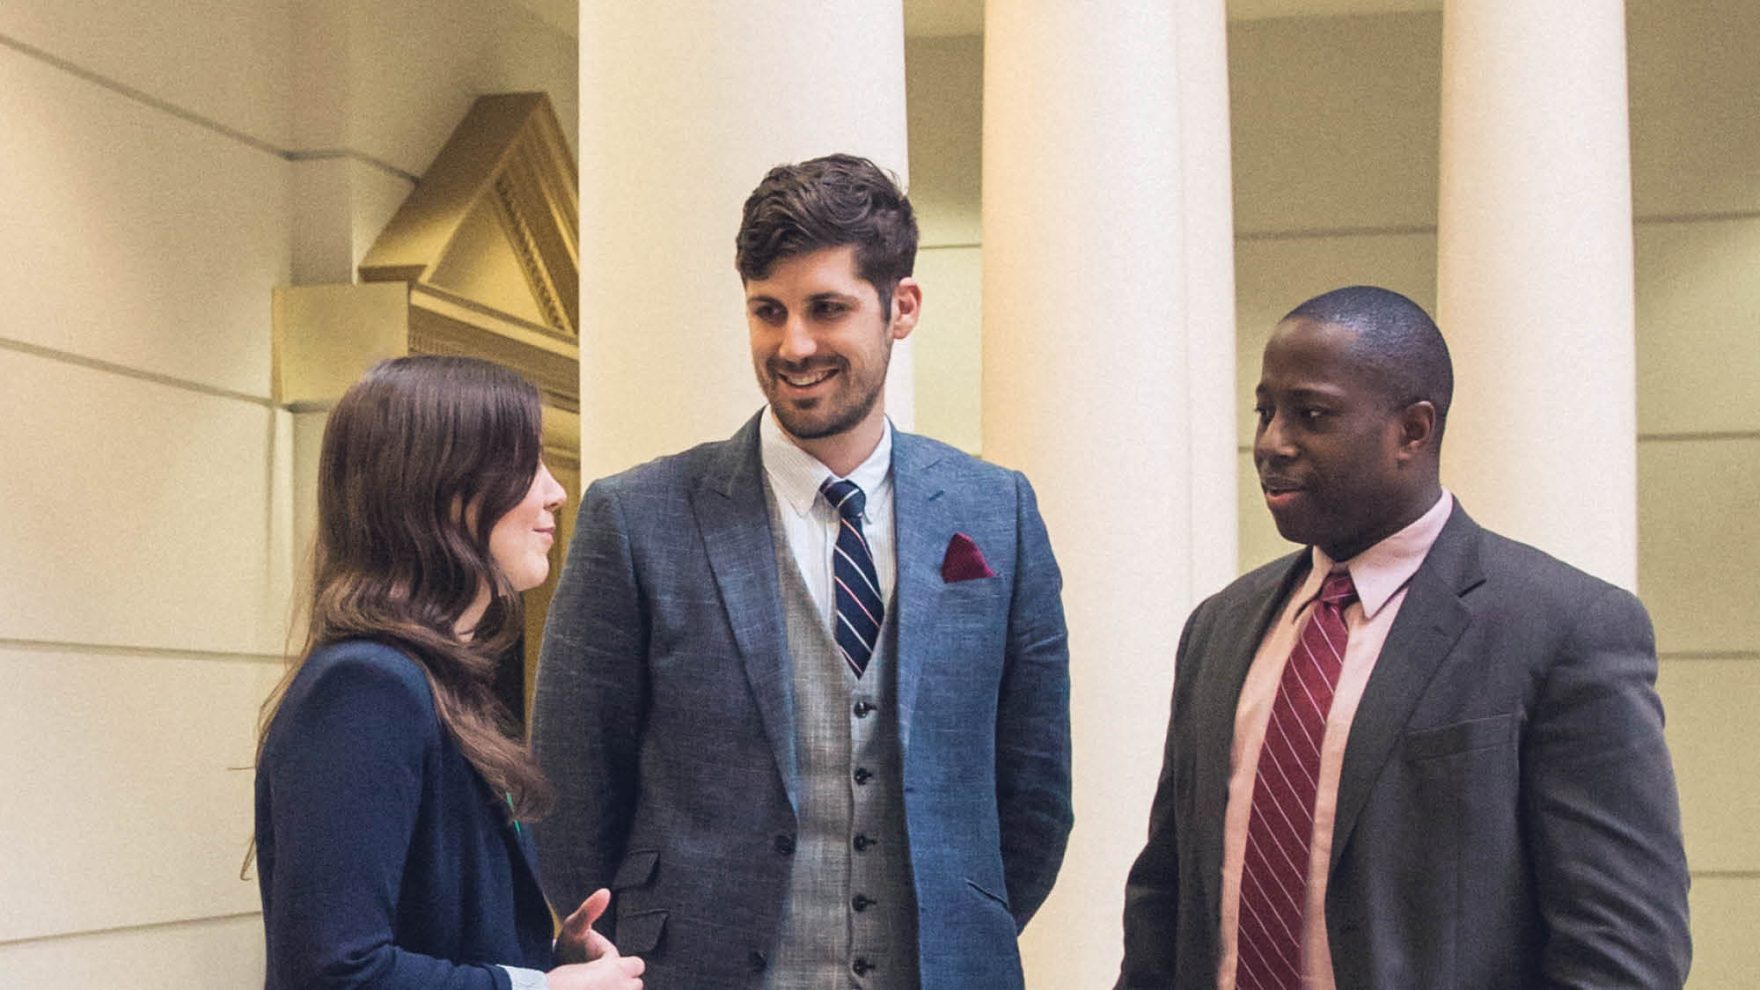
977,592
639,934
636,869
1463,737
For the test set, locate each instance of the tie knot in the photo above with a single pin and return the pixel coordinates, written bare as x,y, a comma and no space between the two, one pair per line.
846,497
1339,590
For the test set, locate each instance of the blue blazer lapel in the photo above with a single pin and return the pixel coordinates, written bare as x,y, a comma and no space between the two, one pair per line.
922,526
528,889
1431,620
734,520
526,859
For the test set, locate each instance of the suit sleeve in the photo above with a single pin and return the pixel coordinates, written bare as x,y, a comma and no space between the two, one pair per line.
1601,810
591,697
1032,728
346,779
1151,892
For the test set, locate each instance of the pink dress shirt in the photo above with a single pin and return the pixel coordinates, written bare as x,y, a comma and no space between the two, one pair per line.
1380,574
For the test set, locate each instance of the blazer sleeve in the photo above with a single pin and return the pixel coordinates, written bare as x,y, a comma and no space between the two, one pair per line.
346,782
1602,812
1151,892
590,702
1032,726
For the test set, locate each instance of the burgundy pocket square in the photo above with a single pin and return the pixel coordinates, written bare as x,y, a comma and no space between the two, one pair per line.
964,561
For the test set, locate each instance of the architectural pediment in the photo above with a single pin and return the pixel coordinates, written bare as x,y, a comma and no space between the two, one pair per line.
486,254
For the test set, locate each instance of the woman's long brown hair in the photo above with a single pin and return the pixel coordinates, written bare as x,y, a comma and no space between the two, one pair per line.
420,459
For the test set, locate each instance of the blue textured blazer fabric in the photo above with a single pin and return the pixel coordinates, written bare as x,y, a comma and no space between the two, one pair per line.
384,860
664,715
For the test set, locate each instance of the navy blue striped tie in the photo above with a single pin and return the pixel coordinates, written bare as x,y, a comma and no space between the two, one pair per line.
859,606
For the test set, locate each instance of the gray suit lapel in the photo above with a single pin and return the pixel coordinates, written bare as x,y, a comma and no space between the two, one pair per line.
921,527
1430,621
1247,618
734,520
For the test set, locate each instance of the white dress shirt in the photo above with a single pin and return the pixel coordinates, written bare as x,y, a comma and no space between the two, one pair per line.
810,524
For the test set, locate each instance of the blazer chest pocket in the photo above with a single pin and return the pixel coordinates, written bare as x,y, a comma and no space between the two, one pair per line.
1463,737
973,596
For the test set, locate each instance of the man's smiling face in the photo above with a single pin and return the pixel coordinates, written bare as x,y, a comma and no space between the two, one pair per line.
820,342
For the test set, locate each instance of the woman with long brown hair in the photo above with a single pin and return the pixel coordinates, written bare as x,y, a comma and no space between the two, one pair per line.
392,797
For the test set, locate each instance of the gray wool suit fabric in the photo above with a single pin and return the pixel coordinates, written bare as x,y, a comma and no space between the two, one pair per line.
1507,815
671,716
851,838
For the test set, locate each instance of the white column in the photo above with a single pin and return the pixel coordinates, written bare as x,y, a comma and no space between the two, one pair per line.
684,107
1108,350
1534,276
1214,527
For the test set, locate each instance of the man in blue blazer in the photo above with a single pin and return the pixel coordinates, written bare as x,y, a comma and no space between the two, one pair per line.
1413,754
804,692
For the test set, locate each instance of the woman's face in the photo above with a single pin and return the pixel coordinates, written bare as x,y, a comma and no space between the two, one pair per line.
520,541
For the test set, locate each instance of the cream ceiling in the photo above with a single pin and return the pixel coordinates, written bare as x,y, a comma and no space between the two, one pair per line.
941,18
945,18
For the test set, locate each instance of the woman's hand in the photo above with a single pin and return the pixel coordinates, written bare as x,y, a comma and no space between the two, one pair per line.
608,972
578,942
590,961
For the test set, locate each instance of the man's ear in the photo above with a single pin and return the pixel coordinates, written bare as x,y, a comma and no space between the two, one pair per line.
907,306
1417,427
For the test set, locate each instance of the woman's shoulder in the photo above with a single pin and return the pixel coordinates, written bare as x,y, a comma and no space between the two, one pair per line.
360,679
368,658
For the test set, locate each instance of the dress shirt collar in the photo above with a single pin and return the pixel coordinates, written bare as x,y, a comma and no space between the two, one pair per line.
795,475
1380,571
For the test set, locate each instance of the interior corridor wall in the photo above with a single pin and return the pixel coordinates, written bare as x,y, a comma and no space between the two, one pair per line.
1335,130
162,168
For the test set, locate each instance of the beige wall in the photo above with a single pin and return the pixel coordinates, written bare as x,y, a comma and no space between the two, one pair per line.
162,168
944,86
1696,196
1335,127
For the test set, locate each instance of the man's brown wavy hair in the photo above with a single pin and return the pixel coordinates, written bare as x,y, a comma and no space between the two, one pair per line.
824,203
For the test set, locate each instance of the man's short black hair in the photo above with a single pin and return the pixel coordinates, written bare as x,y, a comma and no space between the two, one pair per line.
1396,338
829,202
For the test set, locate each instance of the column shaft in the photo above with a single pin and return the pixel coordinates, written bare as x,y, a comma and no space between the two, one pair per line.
1534,276
1108,348
684,106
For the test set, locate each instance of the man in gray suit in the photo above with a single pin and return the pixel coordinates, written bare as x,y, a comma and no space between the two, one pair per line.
1414,754
804,693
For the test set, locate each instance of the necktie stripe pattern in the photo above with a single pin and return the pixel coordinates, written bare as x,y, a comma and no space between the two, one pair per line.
1280,833
860,609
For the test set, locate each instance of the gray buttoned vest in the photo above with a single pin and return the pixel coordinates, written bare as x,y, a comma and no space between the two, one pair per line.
851,915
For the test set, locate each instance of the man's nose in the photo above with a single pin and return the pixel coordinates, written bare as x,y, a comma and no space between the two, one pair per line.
797,340
1271,442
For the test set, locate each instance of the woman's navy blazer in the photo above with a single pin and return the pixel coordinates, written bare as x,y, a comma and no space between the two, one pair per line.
385,862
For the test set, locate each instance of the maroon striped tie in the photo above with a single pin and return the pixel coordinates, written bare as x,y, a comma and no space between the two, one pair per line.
1274,876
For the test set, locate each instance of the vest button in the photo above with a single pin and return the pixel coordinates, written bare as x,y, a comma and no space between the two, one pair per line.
785,845
758,961
861,967
862,843
863,709
861,902
863,775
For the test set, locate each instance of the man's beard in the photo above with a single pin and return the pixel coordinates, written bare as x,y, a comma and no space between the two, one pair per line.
827,418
